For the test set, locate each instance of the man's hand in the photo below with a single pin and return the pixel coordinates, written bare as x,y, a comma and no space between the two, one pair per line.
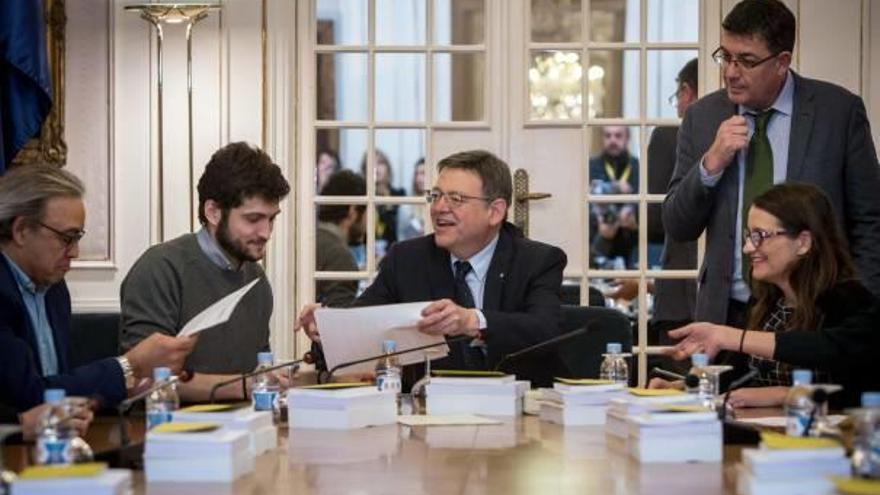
703,337
444,317
732,136
306,321
80,419
628,218
159,350
660,383
608,230
757,397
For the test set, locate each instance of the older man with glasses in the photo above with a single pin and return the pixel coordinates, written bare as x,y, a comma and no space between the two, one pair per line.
768,125
41,223
485,280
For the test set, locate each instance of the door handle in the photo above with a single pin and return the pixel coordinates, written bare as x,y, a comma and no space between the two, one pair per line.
521,198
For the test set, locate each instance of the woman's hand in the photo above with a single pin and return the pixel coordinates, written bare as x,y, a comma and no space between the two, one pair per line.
658,382
758,397
707,338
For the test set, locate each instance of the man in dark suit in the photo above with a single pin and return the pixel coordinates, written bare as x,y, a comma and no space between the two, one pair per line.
41,222
769,125
485,279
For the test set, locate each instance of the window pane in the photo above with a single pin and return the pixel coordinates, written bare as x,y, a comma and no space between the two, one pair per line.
614,83
458,86
614,236
338,149
614,160
663,69
338,293
336,236
411,221
673,20
400,87
555,85
614,20
341,86
400,22
459,22
400,156
556,20
342,22
679,255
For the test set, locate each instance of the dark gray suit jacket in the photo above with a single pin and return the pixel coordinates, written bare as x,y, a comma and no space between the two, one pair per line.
830,146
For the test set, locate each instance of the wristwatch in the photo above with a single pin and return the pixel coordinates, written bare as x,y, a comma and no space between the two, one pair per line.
127,371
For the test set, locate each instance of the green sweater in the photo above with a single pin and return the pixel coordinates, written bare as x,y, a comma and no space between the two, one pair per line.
174,281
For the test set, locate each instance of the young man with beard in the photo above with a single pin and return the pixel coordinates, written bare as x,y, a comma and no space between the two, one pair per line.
239,193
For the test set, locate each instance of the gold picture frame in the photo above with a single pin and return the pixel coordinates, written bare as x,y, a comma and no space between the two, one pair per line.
50,146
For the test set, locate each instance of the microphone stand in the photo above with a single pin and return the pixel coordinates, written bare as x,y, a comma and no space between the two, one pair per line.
245,376
391,354
541,345
737,433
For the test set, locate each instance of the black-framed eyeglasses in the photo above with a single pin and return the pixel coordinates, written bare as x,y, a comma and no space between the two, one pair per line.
757,237
454,199
68,239
722,57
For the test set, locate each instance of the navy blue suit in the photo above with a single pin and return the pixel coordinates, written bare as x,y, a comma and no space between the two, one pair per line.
21,383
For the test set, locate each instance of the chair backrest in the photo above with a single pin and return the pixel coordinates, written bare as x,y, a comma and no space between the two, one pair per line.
93,336
581,356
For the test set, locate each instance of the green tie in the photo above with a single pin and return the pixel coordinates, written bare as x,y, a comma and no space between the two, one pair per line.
759,173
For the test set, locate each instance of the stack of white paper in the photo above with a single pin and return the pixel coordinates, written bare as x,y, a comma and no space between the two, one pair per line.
491,395
675,435
258,424
574,404
639,401
340,408
221,455
104,482
791,471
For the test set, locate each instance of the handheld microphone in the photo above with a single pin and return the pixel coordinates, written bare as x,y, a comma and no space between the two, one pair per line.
396,353
244,376
738,383
540,345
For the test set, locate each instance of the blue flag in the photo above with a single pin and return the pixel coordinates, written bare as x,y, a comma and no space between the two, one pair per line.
25,84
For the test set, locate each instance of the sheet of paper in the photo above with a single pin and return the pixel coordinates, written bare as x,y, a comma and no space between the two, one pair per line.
356,333
445,420
217,313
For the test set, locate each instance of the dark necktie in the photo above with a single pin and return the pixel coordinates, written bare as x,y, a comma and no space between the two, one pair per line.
759,173
473,357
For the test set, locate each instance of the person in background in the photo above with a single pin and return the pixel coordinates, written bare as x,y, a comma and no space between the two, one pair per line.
339,226
328,163
808,310
614,227
411,221
386,215
42,215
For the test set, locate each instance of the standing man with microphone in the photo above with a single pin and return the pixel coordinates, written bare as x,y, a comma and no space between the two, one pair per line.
483,278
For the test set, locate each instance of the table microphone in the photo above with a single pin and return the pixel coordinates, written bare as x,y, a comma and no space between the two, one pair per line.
244,376
396,353
540,345
738,383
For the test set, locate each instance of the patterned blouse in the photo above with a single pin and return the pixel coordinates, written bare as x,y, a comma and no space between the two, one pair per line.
772,373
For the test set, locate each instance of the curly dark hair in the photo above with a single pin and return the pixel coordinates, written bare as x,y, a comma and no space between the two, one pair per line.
239,171
342,183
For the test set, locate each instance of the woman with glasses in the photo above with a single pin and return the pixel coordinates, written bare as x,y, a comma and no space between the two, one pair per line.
807,309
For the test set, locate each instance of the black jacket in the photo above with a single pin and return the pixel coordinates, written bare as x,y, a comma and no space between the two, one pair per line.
846,345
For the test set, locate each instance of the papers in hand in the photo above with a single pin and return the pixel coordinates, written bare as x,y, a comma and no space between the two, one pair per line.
357,333
217,313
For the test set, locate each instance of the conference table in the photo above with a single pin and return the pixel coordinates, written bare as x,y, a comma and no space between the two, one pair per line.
521,455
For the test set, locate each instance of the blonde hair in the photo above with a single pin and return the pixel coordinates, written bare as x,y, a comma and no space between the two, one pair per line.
25,190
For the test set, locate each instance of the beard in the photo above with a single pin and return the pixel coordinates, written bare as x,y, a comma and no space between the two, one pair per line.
233,247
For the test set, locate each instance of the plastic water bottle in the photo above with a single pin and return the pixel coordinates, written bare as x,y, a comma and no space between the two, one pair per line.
265,387
614,365
162,403
53,430
866,443
705,388
388,370
799,403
